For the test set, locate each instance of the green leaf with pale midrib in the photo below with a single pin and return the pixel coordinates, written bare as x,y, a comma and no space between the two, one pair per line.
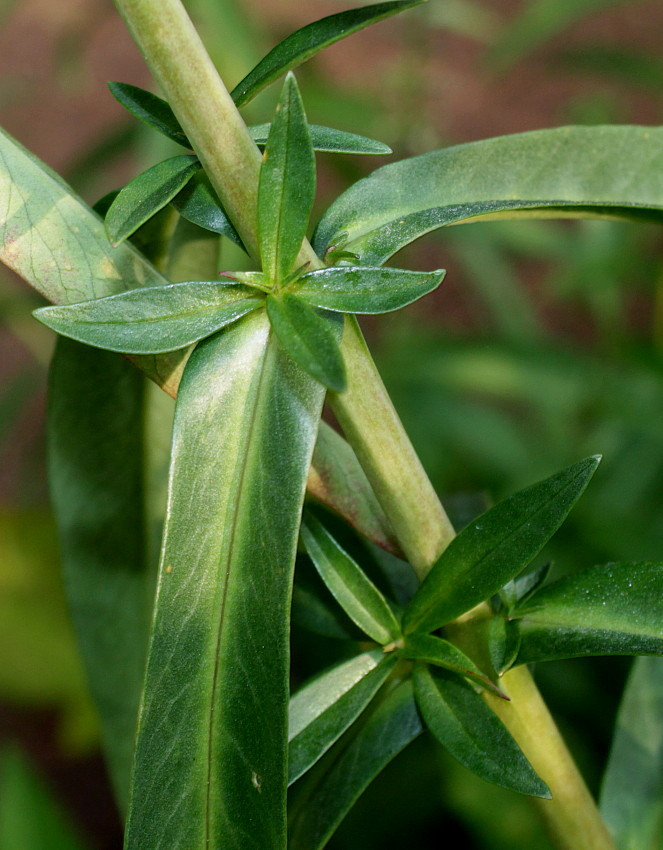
328,140
496,546
614,609
155,319
307,41
566,171
321,711
212,741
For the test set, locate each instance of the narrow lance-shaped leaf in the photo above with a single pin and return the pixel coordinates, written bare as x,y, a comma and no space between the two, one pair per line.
286,189
353,590
151,110
211,753
309,338
565,172
614,609
496,546
328,140
307,41
154,319
148,193
632,790
365,290
465,725
198,203
326,794
323,709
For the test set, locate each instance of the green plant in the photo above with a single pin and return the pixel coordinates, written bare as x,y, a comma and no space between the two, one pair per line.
214,754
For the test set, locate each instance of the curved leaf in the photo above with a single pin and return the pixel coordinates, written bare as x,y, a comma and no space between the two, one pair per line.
151,110
353,590
211,756
307,41
198,203
565,172
465,725
365,290
154,319
323,709
614,609
442,653
496,546
328,140
148,193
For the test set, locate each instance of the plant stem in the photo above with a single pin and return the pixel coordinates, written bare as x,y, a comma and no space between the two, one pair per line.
180,64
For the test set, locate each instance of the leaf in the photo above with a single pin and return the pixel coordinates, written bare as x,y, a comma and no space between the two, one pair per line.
337,480
564,172
286,189
353,590
503,643
148,193
309,338
442,653
614,609
328,140
199,204
465,725
522,587
496,546
96,472
632,790
326,794
307,41
155,319
211,749
151,110
323,709
365,290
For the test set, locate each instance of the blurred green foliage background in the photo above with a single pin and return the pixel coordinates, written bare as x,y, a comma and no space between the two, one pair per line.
544,345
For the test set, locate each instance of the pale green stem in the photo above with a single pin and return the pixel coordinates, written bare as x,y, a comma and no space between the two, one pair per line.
181,66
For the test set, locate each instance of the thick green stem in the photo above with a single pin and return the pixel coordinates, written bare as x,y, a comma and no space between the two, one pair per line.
208,115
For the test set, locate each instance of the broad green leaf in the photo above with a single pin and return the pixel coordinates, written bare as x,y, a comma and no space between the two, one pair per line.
286,189
31,817
96,472
632,790
211,755
465,725
353,590
309,40
614,609
151,110
328,140
309,338
326,794
337,480
154,319
148,193
365,290
199,204
323,709
564,172
442,653
496,546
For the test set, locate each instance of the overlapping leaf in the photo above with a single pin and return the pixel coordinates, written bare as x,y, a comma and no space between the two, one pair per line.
441,653
151,110
328,140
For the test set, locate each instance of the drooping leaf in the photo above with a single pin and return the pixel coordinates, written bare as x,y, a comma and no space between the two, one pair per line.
325,795
465,725
286,189
614,609
323,709
307,41
442,653
155,319
148,193
96,472
211,757
309,338
353,590
564,172
151,110
365,290
632,790
496,546
199,204
328,140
